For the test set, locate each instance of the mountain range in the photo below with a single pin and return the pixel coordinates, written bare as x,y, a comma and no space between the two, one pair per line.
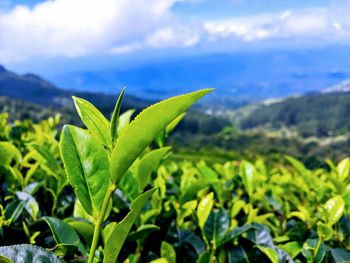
238,77
34,89
30,96
312,114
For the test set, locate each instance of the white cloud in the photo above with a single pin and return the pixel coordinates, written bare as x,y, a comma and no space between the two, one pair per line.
174,36
79,27
73,28
301,25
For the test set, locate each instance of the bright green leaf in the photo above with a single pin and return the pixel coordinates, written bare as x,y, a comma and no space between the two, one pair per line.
63,233
80,212
334,208
121,230
124,120
145,127
204,208
148,164
87,167
300,167
167,251
8,152
172,125
324,231
271,253
94,120
4,259
292,248
160,260
247,175
343,169
48,156
115,116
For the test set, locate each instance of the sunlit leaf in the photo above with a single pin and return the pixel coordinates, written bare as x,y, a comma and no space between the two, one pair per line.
115,116
204,208
121,230
148,164
145,127
94,120
87,167
334,208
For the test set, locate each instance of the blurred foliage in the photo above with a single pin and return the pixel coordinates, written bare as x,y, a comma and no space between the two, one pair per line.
233,144
234,211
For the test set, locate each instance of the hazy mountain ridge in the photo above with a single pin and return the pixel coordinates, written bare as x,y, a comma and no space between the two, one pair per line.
30,96
318,114
34,89
239,77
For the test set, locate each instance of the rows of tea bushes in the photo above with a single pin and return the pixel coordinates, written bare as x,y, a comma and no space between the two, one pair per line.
110,193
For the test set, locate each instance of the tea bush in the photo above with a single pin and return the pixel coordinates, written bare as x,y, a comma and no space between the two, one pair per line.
110,193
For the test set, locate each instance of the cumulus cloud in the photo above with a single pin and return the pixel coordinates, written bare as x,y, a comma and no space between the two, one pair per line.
300,25
79,27
73,28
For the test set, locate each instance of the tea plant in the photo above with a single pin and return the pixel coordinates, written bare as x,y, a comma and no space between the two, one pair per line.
113,193
96,159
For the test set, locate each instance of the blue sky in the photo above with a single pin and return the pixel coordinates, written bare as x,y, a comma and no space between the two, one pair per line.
218,8
34,29
227,8
58,37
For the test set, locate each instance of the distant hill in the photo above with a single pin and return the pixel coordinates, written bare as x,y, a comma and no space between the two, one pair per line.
320,114
34,89
240,76
30,96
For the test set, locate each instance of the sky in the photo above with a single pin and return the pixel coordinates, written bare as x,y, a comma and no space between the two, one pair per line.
55,37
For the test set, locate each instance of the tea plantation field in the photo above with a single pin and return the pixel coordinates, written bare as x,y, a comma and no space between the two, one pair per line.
111,192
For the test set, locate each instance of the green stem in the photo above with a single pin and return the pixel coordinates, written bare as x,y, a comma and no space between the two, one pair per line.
317,248
99,222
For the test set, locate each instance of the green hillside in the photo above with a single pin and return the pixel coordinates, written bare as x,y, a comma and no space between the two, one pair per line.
311,115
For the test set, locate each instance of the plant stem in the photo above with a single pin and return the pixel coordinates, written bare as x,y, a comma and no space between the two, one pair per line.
317,248
99,222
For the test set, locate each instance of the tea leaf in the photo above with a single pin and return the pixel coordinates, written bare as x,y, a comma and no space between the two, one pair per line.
86,163
8,152
94,120
216,226
324,231
204,209
149,163
145,127
28,253
115,116
120,232
63,233
335,208
343,169
270,253
167,251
